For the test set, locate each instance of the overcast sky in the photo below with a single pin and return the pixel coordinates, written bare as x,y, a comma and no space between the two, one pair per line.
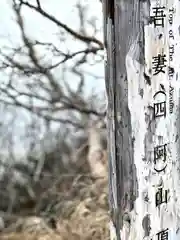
40,29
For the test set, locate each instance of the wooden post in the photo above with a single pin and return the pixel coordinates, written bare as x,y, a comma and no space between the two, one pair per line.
142,41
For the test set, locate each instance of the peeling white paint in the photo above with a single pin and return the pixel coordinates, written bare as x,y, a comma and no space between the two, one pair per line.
112,231
164,130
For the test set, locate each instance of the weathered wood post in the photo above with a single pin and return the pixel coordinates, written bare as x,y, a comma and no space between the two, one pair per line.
142,41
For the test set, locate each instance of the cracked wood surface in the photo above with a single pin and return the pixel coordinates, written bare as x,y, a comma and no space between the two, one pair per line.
131,43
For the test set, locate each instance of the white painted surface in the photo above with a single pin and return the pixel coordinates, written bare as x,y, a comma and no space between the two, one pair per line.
166,215
112,231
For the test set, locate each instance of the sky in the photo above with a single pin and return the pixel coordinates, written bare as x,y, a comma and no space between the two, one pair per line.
40,29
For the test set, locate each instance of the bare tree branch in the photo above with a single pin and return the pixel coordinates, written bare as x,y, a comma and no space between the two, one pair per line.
55,98
86,39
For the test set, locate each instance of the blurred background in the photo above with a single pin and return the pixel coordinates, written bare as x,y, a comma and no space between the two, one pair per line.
53,160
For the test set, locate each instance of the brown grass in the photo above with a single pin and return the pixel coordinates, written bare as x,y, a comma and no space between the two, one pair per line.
81,213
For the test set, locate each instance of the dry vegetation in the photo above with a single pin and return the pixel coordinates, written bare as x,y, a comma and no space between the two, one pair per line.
65,195
73,206
81,212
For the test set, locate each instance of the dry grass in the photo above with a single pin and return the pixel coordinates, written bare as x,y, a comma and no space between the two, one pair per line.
81,213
